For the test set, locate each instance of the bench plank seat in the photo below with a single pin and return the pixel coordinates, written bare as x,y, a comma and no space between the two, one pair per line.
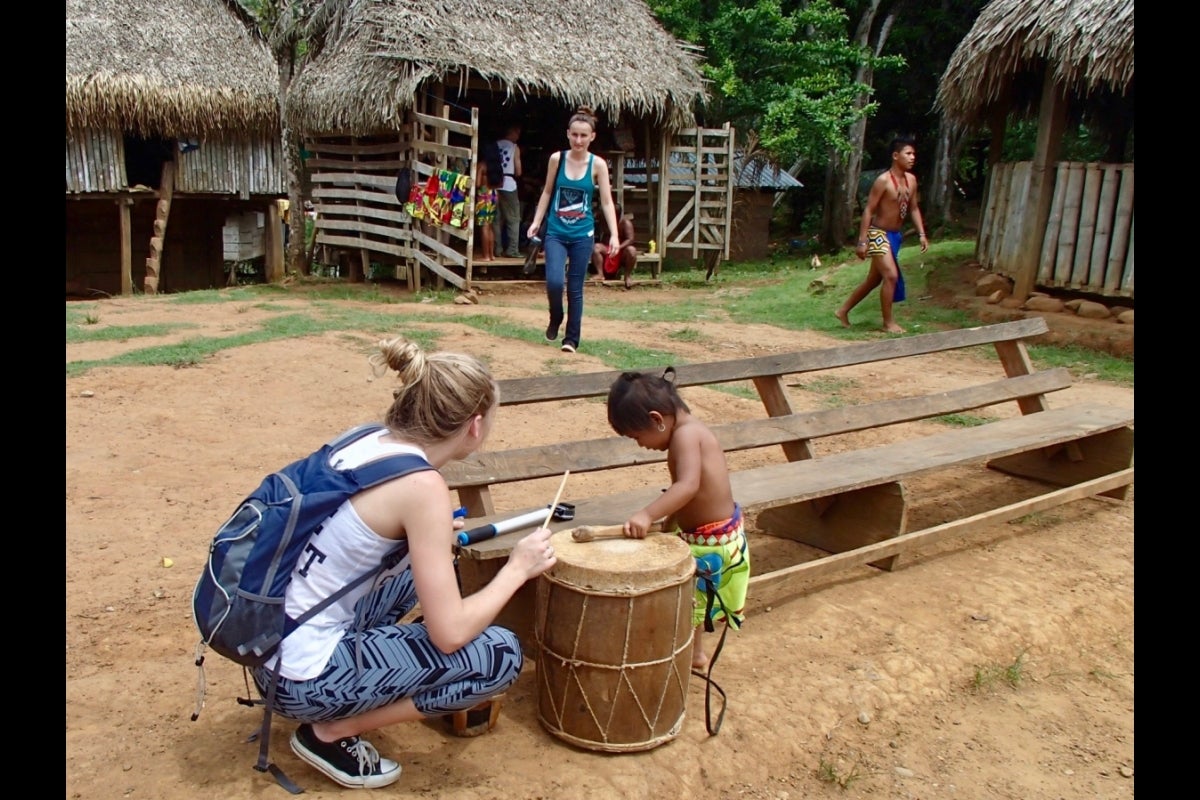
797,481
486,468
518,391
851,506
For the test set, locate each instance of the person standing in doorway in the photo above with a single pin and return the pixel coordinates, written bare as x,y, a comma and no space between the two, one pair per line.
892,199
508,220
572,178
485,213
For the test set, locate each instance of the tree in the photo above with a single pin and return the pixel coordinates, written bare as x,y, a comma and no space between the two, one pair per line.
845,163
780,69
296,30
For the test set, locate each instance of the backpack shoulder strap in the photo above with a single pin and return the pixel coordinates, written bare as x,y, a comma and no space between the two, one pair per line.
389,467
354,434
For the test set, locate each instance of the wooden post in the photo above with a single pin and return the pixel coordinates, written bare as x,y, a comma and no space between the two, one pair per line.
664,193
730,186
273,258
123,206
1052,121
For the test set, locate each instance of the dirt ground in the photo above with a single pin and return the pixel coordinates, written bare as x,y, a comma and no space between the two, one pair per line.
863,684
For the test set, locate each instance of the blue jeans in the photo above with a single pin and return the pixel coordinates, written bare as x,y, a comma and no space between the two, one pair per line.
572,258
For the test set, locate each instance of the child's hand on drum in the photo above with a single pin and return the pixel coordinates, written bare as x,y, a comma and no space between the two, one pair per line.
637,526
534,554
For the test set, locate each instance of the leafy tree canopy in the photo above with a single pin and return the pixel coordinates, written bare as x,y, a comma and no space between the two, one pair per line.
781,68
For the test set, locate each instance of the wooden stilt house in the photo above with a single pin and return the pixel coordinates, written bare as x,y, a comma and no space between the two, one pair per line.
416,86
173,153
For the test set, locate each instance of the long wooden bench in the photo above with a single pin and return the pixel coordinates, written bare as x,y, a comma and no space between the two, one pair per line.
850,505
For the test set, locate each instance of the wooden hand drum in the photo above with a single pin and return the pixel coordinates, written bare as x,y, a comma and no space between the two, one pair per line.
613,627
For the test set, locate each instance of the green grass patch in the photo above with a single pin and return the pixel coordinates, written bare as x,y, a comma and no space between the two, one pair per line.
209,296
122,333
82,313
702,307
962,420
990,674
831,389
687,335
782,291
789,293
1082,361
828,772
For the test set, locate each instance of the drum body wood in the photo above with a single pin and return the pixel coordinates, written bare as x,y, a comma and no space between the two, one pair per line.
613,629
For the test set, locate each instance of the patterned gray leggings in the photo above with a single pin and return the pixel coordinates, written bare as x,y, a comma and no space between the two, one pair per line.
385,662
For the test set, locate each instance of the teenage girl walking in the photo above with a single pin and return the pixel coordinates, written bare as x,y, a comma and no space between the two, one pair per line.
572,178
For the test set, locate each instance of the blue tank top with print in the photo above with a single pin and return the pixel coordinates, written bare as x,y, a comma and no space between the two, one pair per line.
571,204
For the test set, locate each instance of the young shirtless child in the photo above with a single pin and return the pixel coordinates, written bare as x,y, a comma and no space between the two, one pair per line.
893,197
626,258
699,502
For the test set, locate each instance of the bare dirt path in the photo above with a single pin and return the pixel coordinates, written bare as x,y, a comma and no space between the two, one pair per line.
861,685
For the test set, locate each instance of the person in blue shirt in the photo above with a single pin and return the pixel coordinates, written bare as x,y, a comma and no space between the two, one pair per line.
573,177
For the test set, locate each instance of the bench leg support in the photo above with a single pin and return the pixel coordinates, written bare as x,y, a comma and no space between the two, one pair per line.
843,522
1090,457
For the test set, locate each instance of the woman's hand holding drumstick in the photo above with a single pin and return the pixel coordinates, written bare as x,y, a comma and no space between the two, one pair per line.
534,554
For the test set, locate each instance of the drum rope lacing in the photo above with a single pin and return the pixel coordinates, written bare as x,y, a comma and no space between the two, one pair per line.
574,662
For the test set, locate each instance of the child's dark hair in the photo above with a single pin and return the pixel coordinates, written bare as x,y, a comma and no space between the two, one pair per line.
900,142
634,395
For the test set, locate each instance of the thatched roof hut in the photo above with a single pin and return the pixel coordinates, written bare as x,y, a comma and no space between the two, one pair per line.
1000,63
172,116
611,55
1048,222
163,68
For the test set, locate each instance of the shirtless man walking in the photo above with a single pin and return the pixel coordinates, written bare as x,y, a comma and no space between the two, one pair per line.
893,198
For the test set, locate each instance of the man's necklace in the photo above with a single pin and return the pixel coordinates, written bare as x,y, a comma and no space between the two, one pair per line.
901,194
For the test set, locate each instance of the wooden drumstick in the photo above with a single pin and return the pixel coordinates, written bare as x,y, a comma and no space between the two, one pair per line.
590,533
557,497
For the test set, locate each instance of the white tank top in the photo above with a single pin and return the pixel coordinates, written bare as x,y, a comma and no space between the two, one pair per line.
344,548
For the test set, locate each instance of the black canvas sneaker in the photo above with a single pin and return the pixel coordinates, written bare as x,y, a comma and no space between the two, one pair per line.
352,762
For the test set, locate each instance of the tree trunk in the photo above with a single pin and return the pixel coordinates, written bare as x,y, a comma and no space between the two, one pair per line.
295,259
837,218
943,188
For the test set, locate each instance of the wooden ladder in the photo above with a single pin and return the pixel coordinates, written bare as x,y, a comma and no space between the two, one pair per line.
162,212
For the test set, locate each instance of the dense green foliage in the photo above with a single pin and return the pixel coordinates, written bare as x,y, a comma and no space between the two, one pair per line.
781,69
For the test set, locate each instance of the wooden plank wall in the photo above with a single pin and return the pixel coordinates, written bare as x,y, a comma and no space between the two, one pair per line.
1088,244
232,165
95,161
354,185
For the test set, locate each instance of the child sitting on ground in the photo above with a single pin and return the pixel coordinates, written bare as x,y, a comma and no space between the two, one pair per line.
607,264
699,502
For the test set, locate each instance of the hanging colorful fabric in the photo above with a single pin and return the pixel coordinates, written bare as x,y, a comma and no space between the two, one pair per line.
429,201
458,200
414,207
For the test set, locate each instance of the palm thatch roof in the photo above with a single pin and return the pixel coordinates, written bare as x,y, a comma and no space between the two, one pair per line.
610,55
168,68
1087,43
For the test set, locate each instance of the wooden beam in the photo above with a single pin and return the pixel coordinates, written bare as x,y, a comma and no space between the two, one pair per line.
1052,122
126,246
273,242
